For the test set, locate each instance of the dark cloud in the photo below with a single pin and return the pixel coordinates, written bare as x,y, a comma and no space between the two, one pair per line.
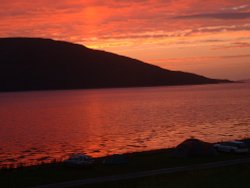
222,15
179,33
199,58
233,45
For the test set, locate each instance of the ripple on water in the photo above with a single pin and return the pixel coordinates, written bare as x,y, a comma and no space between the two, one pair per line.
101,122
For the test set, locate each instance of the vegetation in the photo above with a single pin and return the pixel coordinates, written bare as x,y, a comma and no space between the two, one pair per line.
224,177
56,172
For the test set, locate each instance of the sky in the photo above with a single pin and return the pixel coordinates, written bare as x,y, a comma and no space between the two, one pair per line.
210,37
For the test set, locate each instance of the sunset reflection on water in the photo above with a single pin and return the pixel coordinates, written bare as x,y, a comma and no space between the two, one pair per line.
47,125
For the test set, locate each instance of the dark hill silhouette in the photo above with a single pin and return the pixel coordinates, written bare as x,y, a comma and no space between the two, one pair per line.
41,64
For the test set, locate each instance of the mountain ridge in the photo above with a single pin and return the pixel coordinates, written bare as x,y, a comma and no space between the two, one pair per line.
45,64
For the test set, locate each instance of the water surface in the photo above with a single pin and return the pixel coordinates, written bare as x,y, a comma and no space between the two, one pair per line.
44,125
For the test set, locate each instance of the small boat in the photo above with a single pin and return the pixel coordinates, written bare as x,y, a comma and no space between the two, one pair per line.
79,160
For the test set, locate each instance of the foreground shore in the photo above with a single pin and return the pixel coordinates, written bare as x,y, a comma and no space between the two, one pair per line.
137,162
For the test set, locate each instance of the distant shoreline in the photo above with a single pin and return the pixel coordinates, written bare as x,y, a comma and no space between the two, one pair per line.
126,87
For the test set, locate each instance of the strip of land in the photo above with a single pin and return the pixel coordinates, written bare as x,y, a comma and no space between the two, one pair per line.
146,173
160,165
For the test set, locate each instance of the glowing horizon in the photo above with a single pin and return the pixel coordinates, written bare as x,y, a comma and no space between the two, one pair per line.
209,38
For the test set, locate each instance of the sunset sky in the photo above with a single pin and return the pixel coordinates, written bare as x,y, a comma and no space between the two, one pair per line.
210,37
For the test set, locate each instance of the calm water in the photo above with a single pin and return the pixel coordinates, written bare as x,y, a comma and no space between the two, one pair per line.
41,126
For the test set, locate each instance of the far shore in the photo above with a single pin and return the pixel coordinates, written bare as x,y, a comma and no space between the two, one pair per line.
118,87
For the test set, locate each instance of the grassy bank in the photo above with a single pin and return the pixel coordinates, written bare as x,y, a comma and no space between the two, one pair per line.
141,161
224,177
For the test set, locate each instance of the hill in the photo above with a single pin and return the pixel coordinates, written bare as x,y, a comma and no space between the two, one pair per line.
43,64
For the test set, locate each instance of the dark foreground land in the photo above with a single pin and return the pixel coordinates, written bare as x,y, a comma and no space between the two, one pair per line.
236,175
223,177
